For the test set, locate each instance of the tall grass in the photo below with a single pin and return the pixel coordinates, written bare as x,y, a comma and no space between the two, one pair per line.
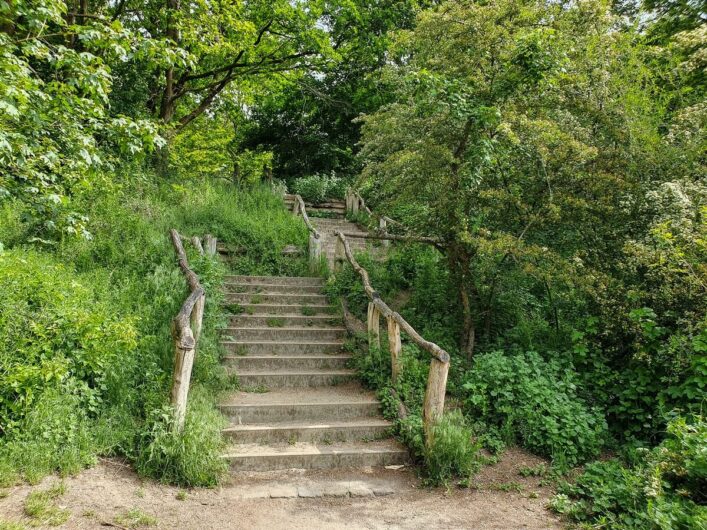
85,350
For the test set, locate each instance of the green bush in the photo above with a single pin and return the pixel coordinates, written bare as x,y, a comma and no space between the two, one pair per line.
192,457
319,188
56,330
55,435
451,451
534,402
665,490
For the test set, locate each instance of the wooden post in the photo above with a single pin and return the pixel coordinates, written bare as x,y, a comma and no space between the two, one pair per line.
315,252
395,347
374,337
339,255
434,395
197,317
354,203
184,345
349,204
210,245
383,227
295,207
196,241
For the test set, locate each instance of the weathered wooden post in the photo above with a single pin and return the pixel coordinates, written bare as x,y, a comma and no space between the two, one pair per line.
395,347
210,245
295,206
383,227
339,254
184,347
197,318
348,198
196,241
354,203
374,336
315,252
434,395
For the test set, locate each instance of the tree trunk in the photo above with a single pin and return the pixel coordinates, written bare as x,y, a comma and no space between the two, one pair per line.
460,264
236,176
167,107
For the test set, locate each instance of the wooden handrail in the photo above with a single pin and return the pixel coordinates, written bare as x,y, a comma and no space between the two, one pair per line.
299,207
186,325
354,202
433,406
394,237
315,239
386,311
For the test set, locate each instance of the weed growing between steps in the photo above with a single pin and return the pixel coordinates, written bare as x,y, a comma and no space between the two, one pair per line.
86,354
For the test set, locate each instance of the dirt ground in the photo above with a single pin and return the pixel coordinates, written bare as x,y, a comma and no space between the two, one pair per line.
499,498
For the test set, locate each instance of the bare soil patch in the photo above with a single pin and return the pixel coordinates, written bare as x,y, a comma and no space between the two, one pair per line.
107,494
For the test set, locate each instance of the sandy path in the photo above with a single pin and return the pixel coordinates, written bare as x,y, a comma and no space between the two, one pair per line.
96,496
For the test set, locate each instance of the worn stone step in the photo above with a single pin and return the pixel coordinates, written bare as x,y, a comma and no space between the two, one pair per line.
358,429
271,288
332,203
339,212
342,402
264,298
250,363
285,334
286,309
276,280
294,378
251,457
293,320
266,347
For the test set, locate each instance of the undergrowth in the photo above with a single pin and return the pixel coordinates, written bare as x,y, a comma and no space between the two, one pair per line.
86,353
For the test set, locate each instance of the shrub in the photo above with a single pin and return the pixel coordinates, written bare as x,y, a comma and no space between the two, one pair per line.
192,457
56,435
318,188
664,491
55,330
535,403
451,451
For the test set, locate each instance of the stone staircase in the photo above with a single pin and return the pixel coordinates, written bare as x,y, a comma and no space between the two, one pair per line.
299,405
334,220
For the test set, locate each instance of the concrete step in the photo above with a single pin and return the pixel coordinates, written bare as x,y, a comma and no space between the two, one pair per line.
271,288
285,334
306,310
294,378
295,320
276,280
346,401
264,298
267,347
256,363
358,429
337,213
252,457
331,203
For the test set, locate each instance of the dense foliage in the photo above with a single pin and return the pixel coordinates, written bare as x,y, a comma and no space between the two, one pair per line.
86,353
664,489
555,150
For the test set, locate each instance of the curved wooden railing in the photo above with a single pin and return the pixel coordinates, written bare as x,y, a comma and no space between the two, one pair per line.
315,238
186,326
439,368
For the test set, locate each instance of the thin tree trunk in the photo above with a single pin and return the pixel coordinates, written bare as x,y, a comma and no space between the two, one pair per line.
167,107
459,261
